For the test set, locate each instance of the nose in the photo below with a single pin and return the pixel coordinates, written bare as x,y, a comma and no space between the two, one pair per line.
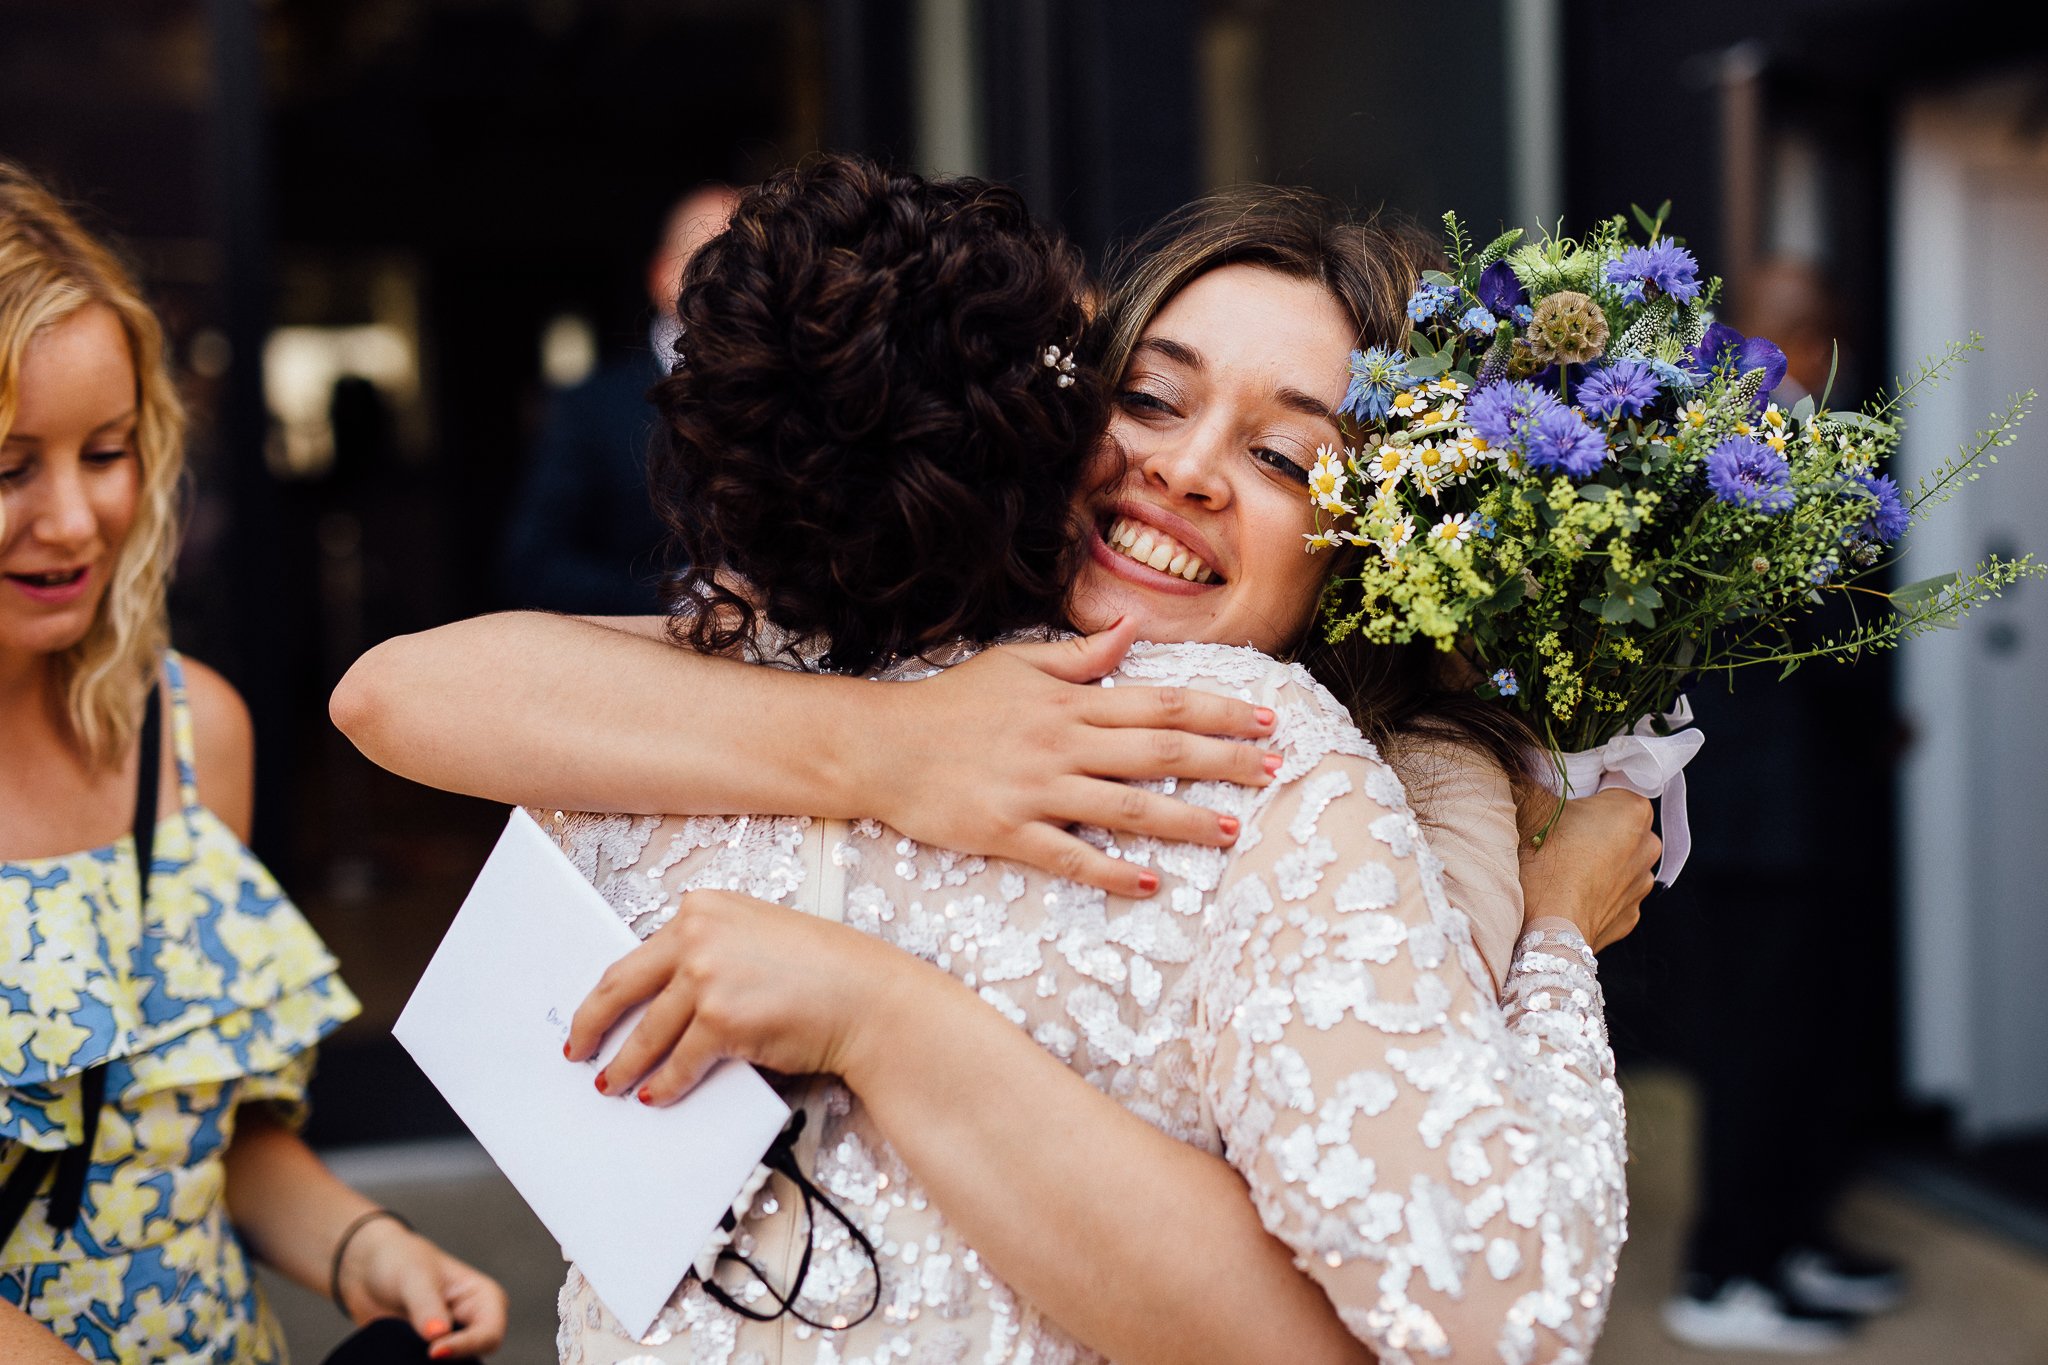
1193,463
60,514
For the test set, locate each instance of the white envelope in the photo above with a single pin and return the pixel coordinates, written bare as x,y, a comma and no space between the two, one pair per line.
632,1193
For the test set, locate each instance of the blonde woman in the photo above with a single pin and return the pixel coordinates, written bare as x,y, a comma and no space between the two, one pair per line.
158,1008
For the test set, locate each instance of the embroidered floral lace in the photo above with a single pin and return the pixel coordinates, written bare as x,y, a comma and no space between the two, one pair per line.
1447,1166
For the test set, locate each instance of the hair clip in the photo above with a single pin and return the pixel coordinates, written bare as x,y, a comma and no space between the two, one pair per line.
1061,364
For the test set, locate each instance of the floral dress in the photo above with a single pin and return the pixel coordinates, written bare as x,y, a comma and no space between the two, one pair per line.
210,999
1445,1160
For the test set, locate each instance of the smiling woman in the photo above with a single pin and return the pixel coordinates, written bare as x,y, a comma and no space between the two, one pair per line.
161,996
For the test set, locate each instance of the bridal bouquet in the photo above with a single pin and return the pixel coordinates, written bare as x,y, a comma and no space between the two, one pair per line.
1574,474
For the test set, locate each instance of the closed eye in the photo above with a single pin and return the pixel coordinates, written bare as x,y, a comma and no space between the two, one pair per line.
1282,464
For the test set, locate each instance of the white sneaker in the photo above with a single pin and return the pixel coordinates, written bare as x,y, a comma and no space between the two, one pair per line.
1842,1280
1741,1314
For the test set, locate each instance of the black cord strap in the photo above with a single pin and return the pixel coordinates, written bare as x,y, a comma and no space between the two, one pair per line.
67,1191
781,1158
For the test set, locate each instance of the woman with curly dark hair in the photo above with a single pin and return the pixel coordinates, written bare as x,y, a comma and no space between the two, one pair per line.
1277,998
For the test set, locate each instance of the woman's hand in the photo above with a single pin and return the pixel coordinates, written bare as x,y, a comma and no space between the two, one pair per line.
731,976
388,1271
1001,754
1594,867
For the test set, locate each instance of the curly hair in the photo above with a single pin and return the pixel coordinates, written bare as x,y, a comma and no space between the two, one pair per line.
864,441
50,269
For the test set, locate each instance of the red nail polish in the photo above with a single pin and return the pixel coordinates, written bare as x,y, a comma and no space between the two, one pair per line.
565,1049
436,1328
600,1084
1148,882
1264,715
1228,824
645,1096
1272,763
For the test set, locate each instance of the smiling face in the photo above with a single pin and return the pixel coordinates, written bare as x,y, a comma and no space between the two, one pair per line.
70,481
1199,535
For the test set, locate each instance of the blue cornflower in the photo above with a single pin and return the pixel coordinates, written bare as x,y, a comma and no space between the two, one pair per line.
1376,376
1504,682
1888,517
1623,388
1665,266
1560,439
1428,300
1500,410
1478,322
1750,474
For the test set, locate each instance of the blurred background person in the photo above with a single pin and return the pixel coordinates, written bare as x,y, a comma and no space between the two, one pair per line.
583,536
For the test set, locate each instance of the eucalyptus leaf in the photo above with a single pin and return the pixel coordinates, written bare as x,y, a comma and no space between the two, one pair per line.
1914,596
1596,492
1438,277
1419,344
1429,366
1803,409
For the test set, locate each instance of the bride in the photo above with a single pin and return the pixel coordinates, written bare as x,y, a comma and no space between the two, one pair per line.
1049,1101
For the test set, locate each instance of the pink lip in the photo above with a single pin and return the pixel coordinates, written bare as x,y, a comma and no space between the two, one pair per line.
57,595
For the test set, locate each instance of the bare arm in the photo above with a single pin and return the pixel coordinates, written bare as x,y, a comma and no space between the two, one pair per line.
554,711
24,1341
294,1212
1149,1249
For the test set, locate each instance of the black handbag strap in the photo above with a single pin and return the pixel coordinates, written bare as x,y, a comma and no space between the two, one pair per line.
67,1191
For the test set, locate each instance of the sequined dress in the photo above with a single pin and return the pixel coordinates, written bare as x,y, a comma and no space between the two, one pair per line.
209,999
1446,1164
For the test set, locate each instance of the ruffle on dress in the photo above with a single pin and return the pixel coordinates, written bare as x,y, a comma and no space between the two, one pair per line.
221,979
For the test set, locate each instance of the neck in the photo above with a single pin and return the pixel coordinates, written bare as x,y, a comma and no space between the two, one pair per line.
30,703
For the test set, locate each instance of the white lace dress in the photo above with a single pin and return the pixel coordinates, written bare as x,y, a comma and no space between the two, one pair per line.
1307,1004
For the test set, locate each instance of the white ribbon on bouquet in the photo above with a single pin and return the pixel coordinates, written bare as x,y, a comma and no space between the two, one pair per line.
1647,763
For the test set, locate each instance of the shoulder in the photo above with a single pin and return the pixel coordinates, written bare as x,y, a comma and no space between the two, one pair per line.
223,743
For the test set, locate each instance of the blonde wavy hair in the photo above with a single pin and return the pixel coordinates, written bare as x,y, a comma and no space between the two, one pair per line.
50,268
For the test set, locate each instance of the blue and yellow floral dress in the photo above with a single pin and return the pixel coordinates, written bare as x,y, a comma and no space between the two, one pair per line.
211,999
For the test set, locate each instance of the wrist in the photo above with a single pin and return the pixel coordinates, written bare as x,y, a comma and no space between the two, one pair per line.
894,995
356,1251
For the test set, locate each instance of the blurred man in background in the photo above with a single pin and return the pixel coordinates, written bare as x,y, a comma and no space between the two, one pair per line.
582,536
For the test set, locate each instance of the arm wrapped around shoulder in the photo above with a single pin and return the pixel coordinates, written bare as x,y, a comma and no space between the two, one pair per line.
1448,1169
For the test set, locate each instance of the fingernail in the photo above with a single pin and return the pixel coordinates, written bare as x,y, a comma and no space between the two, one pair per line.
646,1096
437,1352
1272,764
565,1049
1228,824
1148,882
436,1328
1264,715
600,1084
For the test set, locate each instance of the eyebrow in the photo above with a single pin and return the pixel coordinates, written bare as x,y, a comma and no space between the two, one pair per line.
29,439
1289,397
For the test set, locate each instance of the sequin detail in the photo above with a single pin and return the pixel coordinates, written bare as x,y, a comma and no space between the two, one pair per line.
1447,1167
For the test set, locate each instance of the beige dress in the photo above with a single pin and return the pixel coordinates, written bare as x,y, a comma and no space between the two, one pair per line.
1445,1161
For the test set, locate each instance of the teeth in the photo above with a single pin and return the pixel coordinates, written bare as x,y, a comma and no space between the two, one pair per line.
1157,550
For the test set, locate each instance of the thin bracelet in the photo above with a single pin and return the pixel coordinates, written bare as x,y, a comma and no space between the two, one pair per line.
341,1249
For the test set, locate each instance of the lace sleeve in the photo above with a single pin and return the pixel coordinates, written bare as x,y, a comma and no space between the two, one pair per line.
1448,1168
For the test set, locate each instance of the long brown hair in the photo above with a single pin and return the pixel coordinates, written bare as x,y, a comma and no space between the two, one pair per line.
1399,694
50,268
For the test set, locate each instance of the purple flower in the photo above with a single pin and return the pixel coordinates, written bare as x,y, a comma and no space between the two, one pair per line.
1664,266
1723,346
1500,292
1621,389
1498,411
1750,474
1559,439
1888,517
